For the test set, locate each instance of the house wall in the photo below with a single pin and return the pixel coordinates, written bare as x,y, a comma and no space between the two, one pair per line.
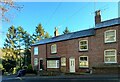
41,55
98,46
118,44
70,48
32,56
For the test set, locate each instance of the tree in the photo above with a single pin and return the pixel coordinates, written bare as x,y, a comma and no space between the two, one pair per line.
13,44
5,7
9,59
39,33
20,45
46,35
9,49
17,40
27,53
66,30
11,38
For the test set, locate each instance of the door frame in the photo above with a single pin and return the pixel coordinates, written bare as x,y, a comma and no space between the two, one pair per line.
71,58
39,63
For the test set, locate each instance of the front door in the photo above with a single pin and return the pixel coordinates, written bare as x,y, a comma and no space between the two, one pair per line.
72,64
41,65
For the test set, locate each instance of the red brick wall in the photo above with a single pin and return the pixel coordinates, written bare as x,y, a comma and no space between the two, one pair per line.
118,44
70,48
98,46
42,54
32,56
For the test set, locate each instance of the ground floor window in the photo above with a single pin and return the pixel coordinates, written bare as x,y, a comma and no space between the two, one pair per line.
63,61
52,63
83,61
110,56
35,61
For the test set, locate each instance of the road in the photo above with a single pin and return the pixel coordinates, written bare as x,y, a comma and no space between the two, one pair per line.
64,79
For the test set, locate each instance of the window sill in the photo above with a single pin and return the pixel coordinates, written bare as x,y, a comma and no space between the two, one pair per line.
53,53
110,62
110,42
52,68
83,67
83,50
35,54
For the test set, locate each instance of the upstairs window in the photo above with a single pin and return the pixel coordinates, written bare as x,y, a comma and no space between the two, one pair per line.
110,36
83,45
54,48
110,56
35,50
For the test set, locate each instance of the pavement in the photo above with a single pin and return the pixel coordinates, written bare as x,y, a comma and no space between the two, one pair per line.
86,76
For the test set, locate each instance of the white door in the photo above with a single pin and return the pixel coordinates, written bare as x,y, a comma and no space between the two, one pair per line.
72,64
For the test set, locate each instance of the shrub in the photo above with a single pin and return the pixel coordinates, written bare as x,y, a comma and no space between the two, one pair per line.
16,69
30,70
1,67
25,67
29,67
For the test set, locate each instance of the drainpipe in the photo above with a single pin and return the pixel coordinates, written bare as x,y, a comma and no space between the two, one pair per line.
46,57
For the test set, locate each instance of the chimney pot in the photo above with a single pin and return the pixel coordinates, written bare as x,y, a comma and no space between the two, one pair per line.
56,32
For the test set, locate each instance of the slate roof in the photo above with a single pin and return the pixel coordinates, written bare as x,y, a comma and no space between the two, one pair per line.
78,34
73,35
108,23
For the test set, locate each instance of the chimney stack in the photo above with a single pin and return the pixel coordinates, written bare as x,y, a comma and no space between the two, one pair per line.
97,17
56,32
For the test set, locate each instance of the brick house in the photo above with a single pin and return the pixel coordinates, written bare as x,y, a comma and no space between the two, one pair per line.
79,51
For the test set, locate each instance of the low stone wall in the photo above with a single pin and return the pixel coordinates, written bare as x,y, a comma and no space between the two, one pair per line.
53,69
83,70
106,70
49,73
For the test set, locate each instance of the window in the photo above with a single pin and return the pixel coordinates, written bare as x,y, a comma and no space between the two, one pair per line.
83,45
110,56
52,63
54,48
35,50
110,36
83,61
63,61
35,61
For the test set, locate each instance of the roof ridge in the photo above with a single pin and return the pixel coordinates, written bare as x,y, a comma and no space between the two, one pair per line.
110,19
73,32
80,33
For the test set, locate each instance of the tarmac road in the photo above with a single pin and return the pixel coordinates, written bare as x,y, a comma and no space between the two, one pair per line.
79,78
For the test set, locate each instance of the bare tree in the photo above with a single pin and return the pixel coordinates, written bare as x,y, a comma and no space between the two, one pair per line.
5,7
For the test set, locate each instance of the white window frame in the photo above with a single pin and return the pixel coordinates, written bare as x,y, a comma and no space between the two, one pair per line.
105,40
35,61
110,55
53,45
81,45
86,61
36,50
57,63
63,61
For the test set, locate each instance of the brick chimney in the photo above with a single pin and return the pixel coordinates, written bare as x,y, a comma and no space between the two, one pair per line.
97,17
56,32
